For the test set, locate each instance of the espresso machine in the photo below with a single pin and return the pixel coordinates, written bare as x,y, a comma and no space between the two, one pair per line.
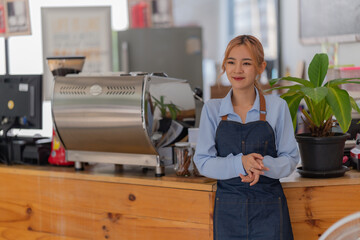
114,118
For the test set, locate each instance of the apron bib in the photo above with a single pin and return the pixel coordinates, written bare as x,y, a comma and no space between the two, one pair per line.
241,211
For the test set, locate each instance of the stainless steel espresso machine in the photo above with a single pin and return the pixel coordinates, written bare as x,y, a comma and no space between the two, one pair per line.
108,118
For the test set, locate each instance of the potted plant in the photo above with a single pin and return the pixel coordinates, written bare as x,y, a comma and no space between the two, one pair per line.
168,111
321,149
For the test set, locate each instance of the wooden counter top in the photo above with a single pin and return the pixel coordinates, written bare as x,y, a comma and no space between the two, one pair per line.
351,177
135,175
107,173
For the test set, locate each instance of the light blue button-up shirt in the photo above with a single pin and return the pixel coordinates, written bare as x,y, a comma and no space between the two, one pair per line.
278,116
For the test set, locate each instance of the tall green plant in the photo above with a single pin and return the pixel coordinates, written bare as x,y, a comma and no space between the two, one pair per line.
324,100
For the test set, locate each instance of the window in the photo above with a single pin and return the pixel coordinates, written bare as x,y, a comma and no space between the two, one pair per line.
258,18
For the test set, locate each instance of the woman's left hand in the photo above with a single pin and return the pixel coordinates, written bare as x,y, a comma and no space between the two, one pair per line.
253,179
254,176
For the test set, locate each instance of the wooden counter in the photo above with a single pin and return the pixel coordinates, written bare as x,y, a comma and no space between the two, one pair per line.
101,203
316,204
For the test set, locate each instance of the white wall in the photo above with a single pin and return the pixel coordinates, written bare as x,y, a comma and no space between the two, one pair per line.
349,53
293,51
204,13
209,15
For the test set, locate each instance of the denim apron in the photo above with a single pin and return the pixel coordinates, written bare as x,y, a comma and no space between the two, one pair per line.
241,211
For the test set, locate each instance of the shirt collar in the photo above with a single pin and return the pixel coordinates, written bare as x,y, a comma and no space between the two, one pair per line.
226,106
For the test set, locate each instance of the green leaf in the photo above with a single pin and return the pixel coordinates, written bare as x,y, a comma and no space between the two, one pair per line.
321,111
336,82
315,94
339,102
289,93
292,91
172,113
293,103
162,100
274,81
318,69
304,82
156,100
312,113
292,87
356,82
354,105
328,112
308,117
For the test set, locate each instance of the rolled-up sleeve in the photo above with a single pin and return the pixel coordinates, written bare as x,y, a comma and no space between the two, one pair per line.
206,159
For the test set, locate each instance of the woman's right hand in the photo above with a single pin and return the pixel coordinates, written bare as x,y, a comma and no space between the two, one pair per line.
254,167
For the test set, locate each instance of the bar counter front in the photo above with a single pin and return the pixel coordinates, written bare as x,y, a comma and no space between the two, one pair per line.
103,202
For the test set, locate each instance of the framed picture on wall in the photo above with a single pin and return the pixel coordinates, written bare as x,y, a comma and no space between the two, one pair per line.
14,18
323,21
77,31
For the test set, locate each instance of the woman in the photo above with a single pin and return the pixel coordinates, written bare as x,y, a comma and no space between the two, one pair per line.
246,141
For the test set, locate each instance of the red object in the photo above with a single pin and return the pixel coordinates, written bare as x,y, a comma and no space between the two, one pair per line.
349,68
2,20
57,155
355,155
345,159
139,15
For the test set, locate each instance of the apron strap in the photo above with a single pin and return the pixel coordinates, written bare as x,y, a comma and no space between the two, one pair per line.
262,108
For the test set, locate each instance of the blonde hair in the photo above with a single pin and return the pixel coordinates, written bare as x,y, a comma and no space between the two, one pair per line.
255,47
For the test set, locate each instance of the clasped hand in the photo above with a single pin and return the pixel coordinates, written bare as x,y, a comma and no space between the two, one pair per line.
254,167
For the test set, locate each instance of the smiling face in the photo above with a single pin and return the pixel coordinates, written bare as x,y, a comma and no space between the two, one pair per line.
240,68
244,51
